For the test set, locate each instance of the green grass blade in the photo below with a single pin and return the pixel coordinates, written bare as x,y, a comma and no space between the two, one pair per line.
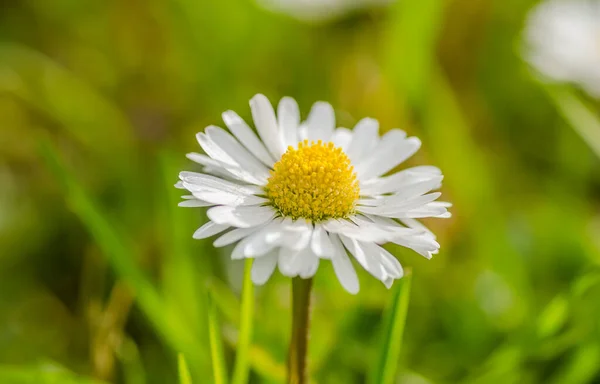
262,362
393,331
181,280
46,373
579,116
131,363
226,301
581,367
553,317
242,364
228,305
412,36
109,242
184,372
216,343
167,322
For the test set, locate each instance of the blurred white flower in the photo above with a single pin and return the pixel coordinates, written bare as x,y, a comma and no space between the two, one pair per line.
563,42
318,10
304,192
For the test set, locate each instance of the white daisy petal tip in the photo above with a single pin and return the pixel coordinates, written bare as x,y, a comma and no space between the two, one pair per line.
320,122
263,268
388,282
230,117
209,229
266,124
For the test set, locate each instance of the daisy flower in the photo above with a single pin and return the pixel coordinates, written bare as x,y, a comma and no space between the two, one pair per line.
299,193
562,41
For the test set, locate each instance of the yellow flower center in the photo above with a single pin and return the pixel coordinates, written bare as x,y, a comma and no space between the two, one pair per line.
315,182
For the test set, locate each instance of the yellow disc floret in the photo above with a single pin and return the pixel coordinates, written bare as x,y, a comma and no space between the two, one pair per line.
315,182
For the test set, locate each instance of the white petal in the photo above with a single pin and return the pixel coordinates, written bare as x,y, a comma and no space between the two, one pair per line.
302,132
374,223
202,180
398,180
213,150
427,211
227,170
412,223
310,264
425,245
363,231
286,262
393,149
195,203
320,122
320,242
263,267
303,263
244,134
364,139
342,137
288,116
343,267
257,244
209,229
216,197
369,263
266,125
234,235
388,282
218,191
408,192
399,209
237,152
432,209
241,217
238,250
427,169
297,235
418,238
386,259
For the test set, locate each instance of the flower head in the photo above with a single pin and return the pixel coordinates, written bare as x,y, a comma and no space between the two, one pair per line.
304,192
562,41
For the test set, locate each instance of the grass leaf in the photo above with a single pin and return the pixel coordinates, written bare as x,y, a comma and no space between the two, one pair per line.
261,361
553,317
225,300
578,115
414,28
181,279
242,364
170,324
184,372
131,362
384,371
216,343
47,373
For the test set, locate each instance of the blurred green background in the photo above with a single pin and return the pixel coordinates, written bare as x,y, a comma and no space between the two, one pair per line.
101,281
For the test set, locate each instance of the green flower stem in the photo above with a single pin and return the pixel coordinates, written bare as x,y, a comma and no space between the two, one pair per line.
297,366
